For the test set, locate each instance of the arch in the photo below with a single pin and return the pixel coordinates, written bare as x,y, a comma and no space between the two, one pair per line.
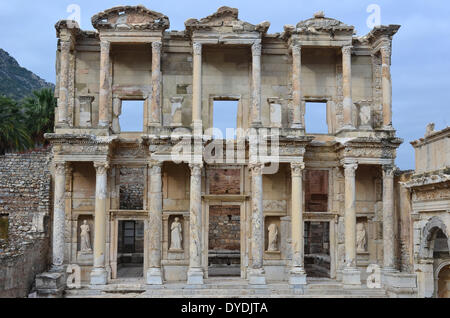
429,234
440,267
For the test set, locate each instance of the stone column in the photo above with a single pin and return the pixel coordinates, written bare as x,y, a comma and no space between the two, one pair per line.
155,109
256,84
297,86
105,84
99,274
298,275
256,272
388,218
386,84
195,273
154,275
347,86
63,100
197,86
351,275
59,218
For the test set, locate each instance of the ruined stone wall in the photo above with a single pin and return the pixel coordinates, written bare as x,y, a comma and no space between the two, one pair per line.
224,228
25,201
132,184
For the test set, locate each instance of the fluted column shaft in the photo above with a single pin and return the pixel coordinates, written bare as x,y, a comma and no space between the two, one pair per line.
197,85
63,100
386,83
105,84
347,86
59,214
99,274
195,273
388,217
155,109
297,86
256,84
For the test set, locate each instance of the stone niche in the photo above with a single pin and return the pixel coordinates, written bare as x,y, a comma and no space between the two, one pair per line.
85,111
362,239
272,237
176,115
85,257
276,113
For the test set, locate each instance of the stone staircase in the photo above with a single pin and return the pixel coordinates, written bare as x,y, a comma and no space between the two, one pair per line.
223,288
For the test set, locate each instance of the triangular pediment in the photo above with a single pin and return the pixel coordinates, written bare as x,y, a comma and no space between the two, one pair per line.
320,24
225,20
130,18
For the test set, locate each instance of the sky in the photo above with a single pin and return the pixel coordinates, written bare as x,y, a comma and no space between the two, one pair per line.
420,57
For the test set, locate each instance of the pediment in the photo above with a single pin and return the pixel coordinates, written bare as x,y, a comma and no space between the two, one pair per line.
320,24
130,18
225,20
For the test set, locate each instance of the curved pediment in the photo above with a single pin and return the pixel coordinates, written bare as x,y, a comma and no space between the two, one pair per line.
130,18
225,20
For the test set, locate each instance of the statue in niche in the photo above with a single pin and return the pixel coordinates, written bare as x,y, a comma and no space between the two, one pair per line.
273,238
176,235
85,238
361,238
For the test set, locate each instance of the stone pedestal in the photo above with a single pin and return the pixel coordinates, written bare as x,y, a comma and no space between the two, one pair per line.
351,277
51,284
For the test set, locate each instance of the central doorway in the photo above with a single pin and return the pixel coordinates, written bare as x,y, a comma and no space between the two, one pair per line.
317,249
224,241
130,253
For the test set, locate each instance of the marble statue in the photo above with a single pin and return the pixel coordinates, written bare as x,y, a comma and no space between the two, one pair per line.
273,238
176,236
361,238
85,238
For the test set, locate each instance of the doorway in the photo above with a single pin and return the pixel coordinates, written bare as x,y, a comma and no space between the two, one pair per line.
130,254
317,249
224,241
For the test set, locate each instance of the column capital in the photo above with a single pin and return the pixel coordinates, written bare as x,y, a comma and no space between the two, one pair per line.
196,168
256,168
101,167
256,49
350,169
157,45
60,168
297,169
197,48
388,171
347,50
155,166
105,45
66,46
296,49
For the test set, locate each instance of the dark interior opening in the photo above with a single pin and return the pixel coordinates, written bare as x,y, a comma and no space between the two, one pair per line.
130,256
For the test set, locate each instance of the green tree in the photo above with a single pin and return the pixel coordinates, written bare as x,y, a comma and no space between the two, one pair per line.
40,114
14,135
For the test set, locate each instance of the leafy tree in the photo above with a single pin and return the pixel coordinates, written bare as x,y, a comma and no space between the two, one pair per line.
39,112
13,131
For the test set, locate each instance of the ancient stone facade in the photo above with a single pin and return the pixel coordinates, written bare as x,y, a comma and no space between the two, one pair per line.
427,199
348,173
25,201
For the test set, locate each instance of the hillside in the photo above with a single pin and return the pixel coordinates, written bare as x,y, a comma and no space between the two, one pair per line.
15,81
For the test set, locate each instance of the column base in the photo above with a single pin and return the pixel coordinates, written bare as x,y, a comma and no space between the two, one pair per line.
351,277
256,277
297,277
195,276
99,276
51,284
154,276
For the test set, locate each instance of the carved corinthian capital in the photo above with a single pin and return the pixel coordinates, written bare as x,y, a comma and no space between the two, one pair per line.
296,49
256,169
347,50
196,169
350,169
101,168
155,166
197,48
105,46
156,46
297,169
60,168
256,49
388,171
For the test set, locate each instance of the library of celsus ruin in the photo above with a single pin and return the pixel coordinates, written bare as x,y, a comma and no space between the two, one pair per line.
168,201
